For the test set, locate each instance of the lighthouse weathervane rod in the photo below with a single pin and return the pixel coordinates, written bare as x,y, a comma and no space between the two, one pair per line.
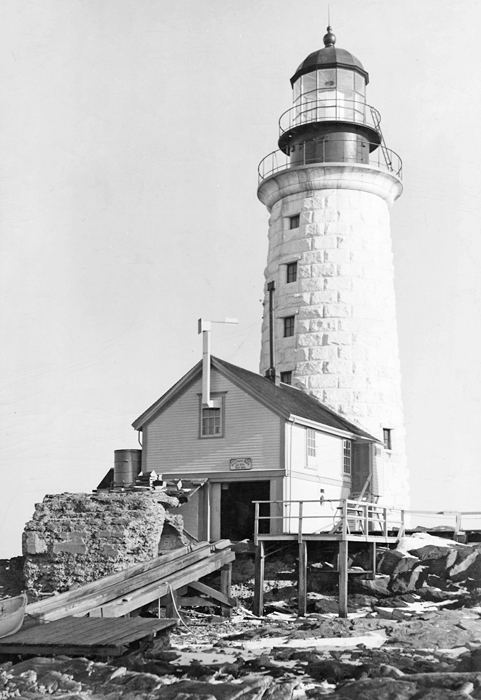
205,327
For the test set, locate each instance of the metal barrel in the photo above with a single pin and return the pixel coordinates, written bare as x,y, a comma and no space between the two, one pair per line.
127,465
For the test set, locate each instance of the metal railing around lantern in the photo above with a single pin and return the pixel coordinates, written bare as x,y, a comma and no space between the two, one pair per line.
321,153
333,110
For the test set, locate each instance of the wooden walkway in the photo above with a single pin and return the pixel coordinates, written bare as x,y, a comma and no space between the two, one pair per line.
312,521
84,636
343,521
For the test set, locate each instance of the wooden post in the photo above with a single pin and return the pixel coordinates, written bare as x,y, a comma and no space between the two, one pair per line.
225,586
256,522
171,608
299,530
384,515
344,519
259,580
302,580
373,564
343,577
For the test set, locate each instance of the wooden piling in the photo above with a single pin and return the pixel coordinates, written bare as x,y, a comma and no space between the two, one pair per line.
259,580
225,586
302,580
343,577
372,561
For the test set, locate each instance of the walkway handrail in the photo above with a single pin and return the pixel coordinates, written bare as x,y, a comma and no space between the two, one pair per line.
334,109
346,515
277,161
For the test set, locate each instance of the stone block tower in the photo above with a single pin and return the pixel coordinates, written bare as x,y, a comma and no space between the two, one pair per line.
329,323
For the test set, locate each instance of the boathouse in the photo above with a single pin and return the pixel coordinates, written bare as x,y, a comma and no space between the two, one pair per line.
258,441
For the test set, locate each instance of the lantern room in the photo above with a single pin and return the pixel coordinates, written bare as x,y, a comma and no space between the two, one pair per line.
330,120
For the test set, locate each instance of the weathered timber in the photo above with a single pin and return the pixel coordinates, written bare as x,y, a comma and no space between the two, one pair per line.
302,580
212,593
154,591
343,577
225,586
259,580
83,636
104,594
40,608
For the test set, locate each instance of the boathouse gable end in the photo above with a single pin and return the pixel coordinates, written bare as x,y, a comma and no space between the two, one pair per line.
175,444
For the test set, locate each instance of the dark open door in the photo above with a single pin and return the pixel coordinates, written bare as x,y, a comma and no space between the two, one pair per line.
237,510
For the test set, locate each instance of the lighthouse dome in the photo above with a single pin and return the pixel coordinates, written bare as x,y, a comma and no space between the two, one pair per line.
330,57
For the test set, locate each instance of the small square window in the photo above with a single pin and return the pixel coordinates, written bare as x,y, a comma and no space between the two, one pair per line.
291,272
288,326
212,419
386,438
311,443
347,456
286,377
294,221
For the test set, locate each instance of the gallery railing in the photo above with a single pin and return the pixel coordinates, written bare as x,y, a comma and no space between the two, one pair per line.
337,109
324,153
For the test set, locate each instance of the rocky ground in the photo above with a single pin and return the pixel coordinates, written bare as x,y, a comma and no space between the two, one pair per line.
405,638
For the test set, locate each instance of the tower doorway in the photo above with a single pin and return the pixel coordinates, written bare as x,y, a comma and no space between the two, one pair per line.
237,510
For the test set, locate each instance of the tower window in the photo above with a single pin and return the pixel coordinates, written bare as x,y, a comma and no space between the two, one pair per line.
212,419
286,377
347,456
294,221
288,326
291,272
311,443
387,438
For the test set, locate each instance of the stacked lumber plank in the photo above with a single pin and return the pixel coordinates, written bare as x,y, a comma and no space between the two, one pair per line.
139,585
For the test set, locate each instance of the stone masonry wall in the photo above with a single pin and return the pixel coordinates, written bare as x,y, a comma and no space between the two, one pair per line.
75,538
345,346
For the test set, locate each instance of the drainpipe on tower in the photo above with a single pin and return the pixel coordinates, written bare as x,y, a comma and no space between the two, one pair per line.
271,372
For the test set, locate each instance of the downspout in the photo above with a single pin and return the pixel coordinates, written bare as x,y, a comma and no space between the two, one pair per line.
271,372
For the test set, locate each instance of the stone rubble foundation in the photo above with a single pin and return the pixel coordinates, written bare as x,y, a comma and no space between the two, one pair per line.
75,538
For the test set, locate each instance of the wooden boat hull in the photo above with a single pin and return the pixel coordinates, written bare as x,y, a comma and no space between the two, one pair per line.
12,613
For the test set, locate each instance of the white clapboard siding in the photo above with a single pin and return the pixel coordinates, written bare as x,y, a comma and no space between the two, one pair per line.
298,451
329,450
328,462
172,443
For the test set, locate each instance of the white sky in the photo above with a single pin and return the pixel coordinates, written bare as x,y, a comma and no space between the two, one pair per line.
130,133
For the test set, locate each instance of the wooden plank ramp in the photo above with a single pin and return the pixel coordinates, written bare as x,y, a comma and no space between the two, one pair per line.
84,636
139,585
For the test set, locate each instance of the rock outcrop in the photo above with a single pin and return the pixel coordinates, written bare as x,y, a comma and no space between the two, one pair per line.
75,538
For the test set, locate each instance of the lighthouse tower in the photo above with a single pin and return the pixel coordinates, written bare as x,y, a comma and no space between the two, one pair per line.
329,324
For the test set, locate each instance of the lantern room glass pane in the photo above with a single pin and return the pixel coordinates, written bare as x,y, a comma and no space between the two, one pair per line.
345,79
359,84
326,79
308,82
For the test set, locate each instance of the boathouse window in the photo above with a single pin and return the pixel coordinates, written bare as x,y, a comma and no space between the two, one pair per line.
291,272
288,326
212,419
347,456
286,377
294,221
386,438
311,444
